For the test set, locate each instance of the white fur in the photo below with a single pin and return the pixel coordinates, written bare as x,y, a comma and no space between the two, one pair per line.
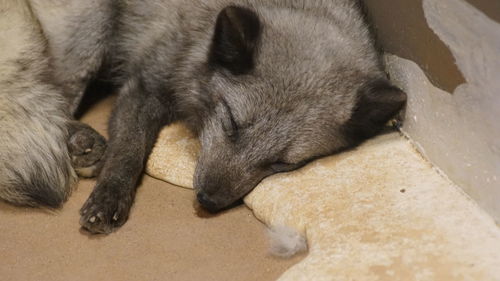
286,242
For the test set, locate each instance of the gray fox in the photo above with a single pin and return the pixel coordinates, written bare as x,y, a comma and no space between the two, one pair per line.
267,85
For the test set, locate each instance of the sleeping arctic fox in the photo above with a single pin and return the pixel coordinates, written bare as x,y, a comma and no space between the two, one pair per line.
267,85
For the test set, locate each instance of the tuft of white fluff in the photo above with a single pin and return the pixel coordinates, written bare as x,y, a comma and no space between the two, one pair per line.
285,242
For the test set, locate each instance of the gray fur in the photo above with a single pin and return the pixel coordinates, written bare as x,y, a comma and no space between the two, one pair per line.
79,34
32,116
268,85
35,123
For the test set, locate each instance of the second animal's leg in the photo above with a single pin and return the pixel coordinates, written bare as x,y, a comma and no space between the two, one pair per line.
86,148
135,122
78,40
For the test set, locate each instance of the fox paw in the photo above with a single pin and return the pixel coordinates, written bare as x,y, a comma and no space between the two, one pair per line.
86,148
105,210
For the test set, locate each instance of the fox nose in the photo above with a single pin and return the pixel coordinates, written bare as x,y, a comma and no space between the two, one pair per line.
206,202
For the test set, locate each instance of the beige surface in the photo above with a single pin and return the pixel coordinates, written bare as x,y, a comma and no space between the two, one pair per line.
175,143
379,212
164,240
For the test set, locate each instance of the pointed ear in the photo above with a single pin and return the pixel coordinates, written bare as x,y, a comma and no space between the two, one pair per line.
378,102
237,32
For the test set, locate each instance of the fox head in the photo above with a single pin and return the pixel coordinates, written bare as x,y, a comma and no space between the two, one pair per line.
283,87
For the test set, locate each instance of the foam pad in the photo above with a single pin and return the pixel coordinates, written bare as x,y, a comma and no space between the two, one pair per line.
378,212
173,158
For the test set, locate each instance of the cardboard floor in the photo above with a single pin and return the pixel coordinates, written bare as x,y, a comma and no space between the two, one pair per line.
164,239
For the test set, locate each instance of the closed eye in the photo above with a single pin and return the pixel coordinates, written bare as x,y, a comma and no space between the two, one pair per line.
229,124
281,167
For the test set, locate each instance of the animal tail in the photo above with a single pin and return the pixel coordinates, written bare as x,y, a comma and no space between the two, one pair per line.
35,166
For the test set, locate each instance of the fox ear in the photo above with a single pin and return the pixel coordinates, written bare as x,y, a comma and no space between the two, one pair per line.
378,102
235,39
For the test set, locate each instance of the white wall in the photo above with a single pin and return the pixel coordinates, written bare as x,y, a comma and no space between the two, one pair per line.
459,132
